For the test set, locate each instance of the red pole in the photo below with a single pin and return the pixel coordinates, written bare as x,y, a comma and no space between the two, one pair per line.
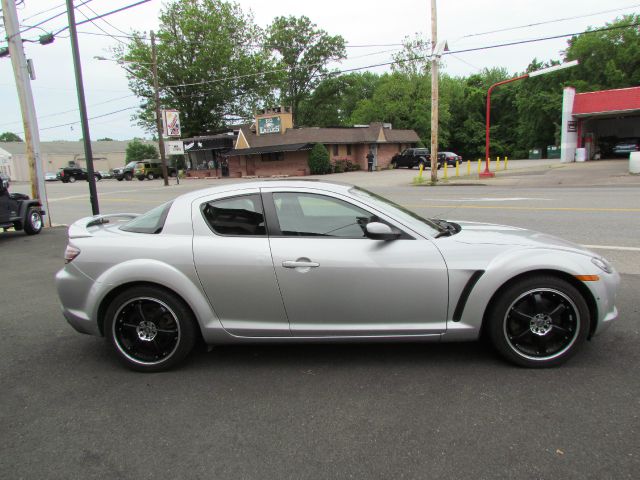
486,172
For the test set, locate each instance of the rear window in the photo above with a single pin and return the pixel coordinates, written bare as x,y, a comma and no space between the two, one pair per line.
150,222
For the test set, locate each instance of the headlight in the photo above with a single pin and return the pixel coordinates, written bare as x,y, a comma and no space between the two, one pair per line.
602,264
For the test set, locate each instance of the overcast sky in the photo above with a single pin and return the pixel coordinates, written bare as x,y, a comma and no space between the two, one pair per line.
358,21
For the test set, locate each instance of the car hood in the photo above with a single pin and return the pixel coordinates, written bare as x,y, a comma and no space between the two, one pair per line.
491,234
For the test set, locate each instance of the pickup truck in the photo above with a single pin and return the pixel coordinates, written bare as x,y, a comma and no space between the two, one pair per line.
19,212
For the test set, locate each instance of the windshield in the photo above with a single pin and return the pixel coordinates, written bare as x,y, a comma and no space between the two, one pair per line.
130,164
150,222
400,212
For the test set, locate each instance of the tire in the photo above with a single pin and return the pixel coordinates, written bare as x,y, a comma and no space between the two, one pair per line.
150,176
72,179
141,178
539,322
33,223
128,177
173,173
119,179
98,178
150,329
394,165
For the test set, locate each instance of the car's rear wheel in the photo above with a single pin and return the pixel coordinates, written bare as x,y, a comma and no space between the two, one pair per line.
72,179
150,329
150,176
539,322
33,222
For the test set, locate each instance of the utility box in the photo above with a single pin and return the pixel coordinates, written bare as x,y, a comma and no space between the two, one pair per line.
535,154
553,151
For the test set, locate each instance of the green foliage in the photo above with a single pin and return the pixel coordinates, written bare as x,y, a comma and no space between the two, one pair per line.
319,163
301,52
136,150
105,139
208,47
9,137
334,100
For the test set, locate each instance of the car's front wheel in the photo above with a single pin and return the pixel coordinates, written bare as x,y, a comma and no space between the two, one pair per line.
539,322
150,176
72,179
128,177
150,329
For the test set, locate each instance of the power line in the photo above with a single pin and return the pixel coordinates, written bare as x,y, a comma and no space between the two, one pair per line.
98,26
91,118
107,22
29,27
126,7
43,11
557,20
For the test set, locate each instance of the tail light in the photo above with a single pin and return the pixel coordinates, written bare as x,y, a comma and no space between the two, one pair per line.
70,253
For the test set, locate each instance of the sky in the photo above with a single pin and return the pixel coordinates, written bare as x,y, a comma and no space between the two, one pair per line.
360,22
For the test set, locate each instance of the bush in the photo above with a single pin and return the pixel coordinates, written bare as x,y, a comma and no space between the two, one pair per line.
319,163
351,167
136,150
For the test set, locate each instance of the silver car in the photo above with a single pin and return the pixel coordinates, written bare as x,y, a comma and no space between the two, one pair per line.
307,261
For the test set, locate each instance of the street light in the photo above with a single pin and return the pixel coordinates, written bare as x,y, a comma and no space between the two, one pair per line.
537,73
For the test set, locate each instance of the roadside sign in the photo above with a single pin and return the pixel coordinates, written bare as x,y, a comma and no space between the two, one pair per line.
174,147
171,123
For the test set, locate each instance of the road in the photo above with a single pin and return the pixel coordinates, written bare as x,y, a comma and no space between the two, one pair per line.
323,411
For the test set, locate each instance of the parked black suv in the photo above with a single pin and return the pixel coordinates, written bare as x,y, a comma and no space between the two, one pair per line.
19,212
71,174
413,157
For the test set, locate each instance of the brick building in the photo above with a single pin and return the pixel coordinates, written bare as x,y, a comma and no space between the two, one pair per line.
273,146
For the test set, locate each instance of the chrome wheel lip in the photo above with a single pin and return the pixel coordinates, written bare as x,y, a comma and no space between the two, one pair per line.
123,351
36,220
565,348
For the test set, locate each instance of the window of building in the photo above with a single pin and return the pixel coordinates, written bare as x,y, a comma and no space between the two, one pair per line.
335,150
305,214
272,156
240,215
348,149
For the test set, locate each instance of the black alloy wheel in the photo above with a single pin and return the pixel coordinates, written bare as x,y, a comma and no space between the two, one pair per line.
539,322
150,329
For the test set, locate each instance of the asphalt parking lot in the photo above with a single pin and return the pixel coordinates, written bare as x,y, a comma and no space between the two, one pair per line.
69,410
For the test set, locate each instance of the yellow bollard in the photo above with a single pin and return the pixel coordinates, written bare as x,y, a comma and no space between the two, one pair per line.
479,166
506,159
445,170
457,168
420,173
468,167
497,163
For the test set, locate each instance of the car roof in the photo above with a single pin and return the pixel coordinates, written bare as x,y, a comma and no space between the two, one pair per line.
336,187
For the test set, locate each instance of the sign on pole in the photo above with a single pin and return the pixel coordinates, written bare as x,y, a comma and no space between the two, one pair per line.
171,123
174,147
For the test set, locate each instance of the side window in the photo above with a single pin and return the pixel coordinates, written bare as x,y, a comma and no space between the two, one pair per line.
238,216
306,214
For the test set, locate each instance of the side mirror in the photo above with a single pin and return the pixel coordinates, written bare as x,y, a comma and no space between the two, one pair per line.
4,185
381,231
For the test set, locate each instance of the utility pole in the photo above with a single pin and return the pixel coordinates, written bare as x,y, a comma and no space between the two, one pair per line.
156,92
25,96
434,94
88,155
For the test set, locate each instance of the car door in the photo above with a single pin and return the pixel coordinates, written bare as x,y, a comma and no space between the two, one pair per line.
233,262
337,282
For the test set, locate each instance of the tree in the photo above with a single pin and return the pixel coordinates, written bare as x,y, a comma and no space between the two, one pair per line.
413,59
301,54
136,150
334,100
609,58
319,160
9,137
105,139
209,66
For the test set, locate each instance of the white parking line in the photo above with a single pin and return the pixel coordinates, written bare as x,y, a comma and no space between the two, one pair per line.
613,247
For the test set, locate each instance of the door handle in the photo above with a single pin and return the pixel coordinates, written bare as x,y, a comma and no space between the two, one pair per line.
299,264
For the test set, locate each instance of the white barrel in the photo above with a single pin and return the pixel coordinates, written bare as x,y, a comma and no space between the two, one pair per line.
581,154
634,162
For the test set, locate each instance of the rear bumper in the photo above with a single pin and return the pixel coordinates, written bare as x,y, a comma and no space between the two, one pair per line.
73,290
